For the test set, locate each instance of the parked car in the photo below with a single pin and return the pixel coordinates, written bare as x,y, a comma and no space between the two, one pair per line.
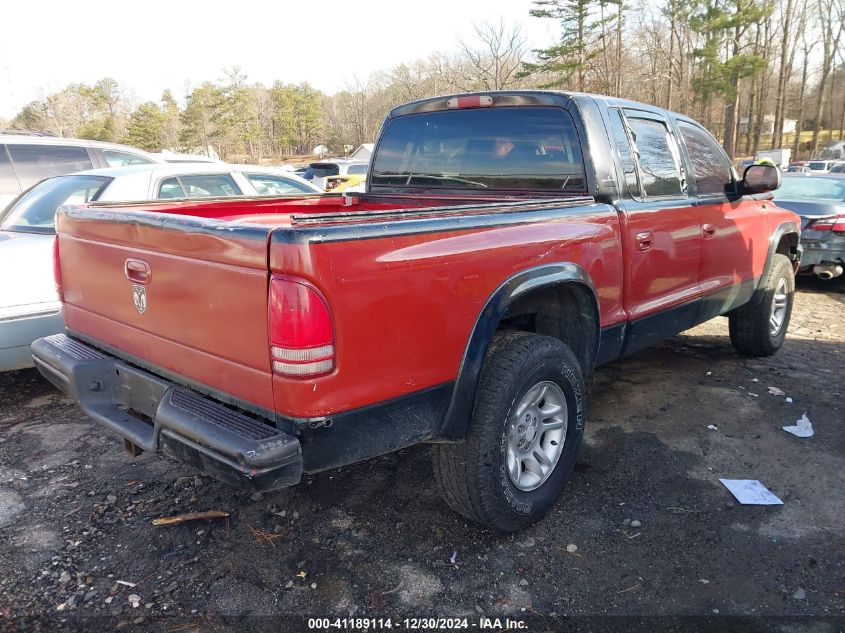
507,243
318,172
798,169
819,199
26,160
29,305
820,165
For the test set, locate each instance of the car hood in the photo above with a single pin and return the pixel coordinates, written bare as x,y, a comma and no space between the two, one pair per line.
26,271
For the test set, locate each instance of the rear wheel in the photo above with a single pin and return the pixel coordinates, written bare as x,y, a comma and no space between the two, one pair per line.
759,328
526,429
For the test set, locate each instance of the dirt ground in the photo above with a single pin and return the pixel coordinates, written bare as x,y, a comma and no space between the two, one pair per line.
78,550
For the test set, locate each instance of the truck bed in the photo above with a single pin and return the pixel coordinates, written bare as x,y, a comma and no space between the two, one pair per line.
205,319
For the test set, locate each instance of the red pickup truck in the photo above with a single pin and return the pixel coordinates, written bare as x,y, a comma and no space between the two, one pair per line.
507,243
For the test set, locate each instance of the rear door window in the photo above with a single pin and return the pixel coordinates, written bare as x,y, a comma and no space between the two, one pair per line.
711,168
199,186
658,157
534,148
36,162
8,181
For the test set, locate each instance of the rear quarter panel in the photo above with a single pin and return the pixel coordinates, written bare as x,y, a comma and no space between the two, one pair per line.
405,296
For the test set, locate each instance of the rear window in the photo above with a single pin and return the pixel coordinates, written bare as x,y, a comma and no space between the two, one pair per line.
35,210
496,148
812,188
357,169
116,158
37,162
269,185
320,171
199,186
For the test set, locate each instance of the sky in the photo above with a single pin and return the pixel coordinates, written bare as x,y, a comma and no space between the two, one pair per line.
152,45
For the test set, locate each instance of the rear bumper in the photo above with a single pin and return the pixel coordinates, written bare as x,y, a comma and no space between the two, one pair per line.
822,247
153,414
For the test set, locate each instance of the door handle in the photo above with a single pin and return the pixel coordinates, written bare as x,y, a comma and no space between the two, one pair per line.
708,230
137,271
645,240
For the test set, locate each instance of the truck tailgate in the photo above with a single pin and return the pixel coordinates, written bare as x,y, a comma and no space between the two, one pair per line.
203,314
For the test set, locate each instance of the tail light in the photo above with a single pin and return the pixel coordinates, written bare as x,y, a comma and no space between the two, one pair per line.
300,327
835,224
57,272
470,101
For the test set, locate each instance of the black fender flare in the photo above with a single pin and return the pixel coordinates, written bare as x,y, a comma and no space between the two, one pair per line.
458,417
783,229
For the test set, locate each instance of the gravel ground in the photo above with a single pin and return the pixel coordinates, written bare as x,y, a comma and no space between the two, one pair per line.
644,528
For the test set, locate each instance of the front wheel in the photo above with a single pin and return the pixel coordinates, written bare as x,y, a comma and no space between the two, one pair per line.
759,328
526,429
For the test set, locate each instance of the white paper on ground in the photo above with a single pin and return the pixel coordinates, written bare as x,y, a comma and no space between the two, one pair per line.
802,427
751,492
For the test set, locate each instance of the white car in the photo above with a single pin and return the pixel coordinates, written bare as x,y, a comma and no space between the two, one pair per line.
26,159
29,304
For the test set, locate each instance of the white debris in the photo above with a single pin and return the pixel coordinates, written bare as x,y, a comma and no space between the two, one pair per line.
802,427
454,557
788,400
125,582
754,380
572,548
134,599
751,492
774,391
709,373
712,427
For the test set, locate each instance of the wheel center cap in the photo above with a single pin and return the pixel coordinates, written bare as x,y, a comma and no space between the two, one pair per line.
530,426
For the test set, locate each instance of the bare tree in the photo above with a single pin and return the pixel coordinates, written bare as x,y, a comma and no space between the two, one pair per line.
832,25
788,41
808,43
496,55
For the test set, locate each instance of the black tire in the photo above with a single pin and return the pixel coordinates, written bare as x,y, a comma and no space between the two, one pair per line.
472,476
749,325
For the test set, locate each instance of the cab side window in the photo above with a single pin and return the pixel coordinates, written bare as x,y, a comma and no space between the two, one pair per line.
658,156
711,169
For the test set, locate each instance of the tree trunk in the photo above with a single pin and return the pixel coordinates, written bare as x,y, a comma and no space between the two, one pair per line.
783,75
671,55
817,114
751,122
799,123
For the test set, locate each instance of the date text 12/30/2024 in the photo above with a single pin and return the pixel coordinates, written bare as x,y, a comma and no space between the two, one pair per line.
435,624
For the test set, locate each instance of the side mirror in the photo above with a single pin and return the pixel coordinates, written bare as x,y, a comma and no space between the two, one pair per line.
760,179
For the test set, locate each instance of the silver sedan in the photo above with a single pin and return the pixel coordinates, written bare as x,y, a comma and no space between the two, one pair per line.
29,303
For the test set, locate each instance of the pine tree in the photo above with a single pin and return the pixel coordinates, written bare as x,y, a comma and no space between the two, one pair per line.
570,58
